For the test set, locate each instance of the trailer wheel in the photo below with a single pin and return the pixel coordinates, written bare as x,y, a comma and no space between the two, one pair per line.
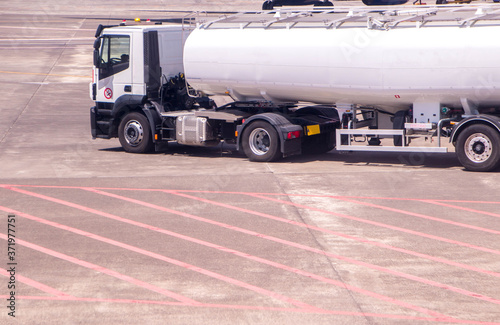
478,148
134,133
261,142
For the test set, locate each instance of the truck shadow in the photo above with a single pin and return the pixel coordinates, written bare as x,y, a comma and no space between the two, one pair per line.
442,160
373,159
182,150
388,159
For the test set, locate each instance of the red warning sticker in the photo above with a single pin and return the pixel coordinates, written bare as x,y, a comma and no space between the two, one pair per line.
108,93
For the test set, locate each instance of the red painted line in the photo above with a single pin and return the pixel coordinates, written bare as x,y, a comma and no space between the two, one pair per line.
496,215
276,265
307,274
466,201
246,193
153,255
33,283
430,282
366,241
362,240
285,242
292,244
418,215
102,269
299,195
383,225
261,308
317,251
445,316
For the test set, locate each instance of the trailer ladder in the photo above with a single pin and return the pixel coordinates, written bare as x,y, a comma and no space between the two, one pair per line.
383,18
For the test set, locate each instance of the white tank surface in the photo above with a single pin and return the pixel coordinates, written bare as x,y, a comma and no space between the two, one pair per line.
375,61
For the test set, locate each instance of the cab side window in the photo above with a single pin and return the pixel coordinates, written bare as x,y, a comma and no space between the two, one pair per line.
114,55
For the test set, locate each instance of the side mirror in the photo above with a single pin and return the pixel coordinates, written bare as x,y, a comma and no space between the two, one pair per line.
97,43
97,46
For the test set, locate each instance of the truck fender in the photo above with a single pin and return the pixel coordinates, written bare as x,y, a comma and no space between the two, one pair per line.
123,105
491,120
151,112
282,126
124,102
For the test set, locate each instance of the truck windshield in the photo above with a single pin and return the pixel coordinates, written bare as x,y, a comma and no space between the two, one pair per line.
114,56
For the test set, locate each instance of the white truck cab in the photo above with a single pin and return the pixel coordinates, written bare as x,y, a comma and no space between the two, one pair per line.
127,60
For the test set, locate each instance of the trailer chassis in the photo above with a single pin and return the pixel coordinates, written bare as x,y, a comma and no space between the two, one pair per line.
476,137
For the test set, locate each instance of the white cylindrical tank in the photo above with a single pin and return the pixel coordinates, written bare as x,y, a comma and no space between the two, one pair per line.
390,69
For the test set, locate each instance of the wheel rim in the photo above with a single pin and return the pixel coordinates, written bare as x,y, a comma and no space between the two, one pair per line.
260,141
478,147
134,133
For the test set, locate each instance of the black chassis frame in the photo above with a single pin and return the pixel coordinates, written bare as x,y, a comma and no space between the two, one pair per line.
285,119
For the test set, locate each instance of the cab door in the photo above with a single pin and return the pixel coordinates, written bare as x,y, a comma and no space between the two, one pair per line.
114,72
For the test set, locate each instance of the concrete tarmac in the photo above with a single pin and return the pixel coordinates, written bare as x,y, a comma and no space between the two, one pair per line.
202,235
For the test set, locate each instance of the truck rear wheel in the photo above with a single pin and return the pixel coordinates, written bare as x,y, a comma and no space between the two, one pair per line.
261,142
478,148
134,133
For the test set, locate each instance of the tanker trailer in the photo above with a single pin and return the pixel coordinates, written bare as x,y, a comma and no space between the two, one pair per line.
427,72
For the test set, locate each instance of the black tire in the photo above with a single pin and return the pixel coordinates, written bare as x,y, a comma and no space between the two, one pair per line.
260,142
134,133
478,148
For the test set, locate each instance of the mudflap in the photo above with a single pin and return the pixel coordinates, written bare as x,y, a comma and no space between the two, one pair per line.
291,147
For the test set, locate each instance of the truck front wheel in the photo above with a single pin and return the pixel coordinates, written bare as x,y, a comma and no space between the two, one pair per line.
135,134
261,142
478,148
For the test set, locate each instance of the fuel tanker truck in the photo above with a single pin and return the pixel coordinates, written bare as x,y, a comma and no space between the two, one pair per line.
306,81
